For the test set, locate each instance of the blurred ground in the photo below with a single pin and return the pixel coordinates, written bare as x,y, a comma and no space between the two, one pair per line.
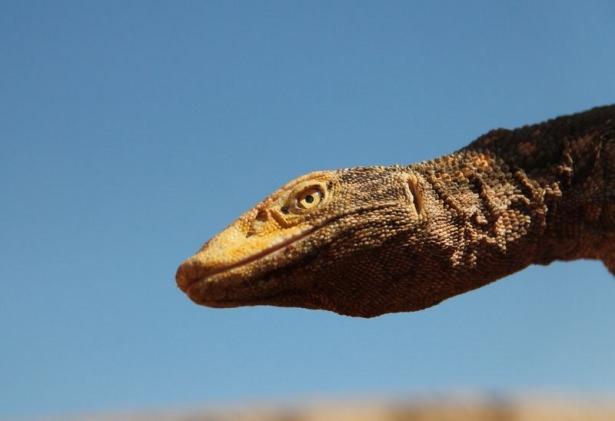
433,409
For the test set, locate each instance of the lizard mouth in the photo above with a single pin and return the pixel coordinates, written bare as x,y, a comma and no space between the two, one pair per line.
192,276
243,283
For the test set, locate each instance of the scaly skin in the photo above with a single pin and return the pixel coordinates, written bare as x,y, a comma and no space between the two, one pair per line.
374,240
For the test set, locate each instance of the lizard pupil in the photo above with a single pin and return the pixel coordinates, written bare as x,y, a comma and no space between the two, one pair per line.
309,198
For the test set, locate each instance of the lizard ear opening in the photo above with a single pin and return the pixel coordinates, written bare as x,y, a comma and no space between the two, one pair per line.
414,193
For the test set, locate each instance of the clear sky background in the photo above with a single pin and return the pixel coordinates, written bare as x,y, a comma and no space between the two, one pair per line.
131,132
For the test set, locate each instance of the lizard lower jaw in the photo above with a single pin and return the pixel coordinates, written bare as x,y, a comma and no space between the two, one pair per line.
209,284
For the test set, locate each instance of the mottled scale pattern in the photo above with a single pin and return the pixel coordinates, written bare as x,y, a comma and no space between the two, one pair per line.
402,238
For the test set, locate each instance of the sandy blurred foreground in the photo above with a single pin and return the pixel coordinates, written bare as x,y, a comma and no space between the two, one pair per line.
441,409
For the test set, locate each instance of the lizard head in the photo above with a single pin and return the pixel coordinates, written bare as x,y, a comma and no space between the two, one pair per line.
326,240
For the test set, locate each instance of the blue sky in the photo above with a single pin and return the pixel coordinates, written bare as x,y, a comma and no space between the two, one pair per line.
133,131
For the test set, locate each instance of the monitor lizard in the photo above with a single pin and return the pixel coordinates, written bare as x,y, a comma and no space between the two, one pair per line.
372,240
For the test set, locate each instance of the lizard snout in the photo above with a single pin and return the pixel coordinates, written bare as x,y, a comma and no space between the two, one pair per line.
187,273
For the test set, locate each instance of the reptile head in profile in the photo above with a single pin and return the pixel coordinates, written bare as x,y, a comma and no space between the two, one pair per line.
373,240
336,240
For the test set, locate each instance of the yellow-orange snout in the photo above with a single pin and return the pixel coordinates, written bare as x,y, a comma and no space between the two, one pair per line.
237,246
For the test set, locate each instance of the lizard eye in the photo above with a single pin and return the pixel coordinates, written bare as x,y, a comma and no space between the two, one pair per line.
310,198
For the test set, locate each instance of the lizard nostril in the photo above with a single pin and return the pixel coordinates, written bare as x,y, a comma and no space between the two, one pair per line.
261,218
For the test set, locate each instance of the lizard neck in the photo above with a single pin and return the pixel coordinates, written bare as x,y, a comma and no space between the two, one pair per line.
570,162
532,195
